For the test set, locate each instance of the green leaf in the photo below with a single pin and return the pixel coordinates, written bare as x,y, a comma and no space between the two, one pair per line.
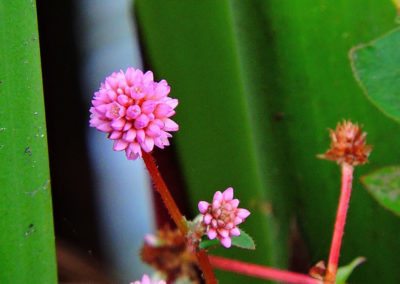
27,237
384,186
344,272
206,243
376,66
243,241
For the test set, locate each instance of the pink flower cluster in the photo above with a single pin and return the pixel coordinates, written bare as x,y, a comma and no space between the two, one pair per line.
147,280
135,111
222,216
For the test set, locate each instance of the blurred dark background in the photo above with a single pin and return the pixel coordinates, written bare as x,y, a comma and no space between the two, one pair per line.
72,180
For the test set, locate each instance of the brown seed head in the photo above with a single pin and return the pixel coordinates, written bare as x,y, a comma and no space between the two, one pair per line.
318,270
168,252
348,145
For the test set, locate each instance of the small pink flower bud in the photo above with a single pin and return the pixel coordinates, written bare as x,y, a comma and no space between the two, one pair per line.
147,280
222,216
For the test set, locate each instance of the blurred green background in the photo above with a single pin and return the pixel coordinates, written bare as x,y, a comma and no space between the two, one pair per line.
259,84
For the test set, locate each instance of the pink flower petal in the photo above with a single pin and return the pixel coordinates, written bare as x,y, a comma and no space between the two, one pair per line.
127,126
243,213
203,206
118,124
148,106
148,77
226,242
115,135
142,121
172,102
229,226
223,233
217,196
105,127
140,135
228,194
162,110
120,145
207,219
170,125
235,203
153,130
133,112
237,221
123,99
130,135
235,232
148,144
212,234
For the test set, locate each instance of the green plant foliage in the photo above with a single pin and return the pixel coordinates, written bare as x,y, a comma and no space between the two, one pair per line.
376,67
206,243
244,241
344,272
384,186
26,238
259,83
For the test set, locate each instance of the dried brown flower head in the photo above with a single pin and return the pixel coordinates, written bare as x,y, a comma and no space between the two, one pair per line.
169,253
318,270
348,145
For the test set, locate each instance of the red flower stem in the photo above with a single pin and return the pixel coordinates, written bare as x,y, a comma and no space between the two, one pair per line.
176,215
162,189
261,272
205,265
345,193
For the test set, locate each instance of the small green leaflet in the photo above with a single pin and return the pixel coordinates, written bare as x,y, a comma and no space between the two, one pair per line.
243,241
344,272
384,186
376,66
206,243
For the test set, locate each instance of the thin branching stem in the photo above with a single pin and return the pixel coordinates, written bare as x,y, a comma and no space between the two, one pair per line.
345,194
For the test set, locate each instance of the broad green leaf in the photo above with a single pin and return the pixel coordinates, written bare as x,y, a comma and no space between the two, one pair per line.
26,227
344,272
376,66
243,241
384,186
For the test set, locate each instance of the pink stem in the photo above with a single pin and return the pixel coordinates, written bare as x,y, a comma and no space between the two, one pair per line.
347,178
260,271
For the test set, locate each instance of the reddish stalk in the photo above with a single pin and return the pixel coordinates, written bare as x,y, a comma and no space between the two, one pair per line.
176,215
162,189
261,271
206,267
345,193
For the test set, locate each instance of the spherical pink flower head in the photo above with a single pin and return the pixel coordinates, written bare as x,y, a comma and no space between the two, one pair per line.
222,216
146,280
135,111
